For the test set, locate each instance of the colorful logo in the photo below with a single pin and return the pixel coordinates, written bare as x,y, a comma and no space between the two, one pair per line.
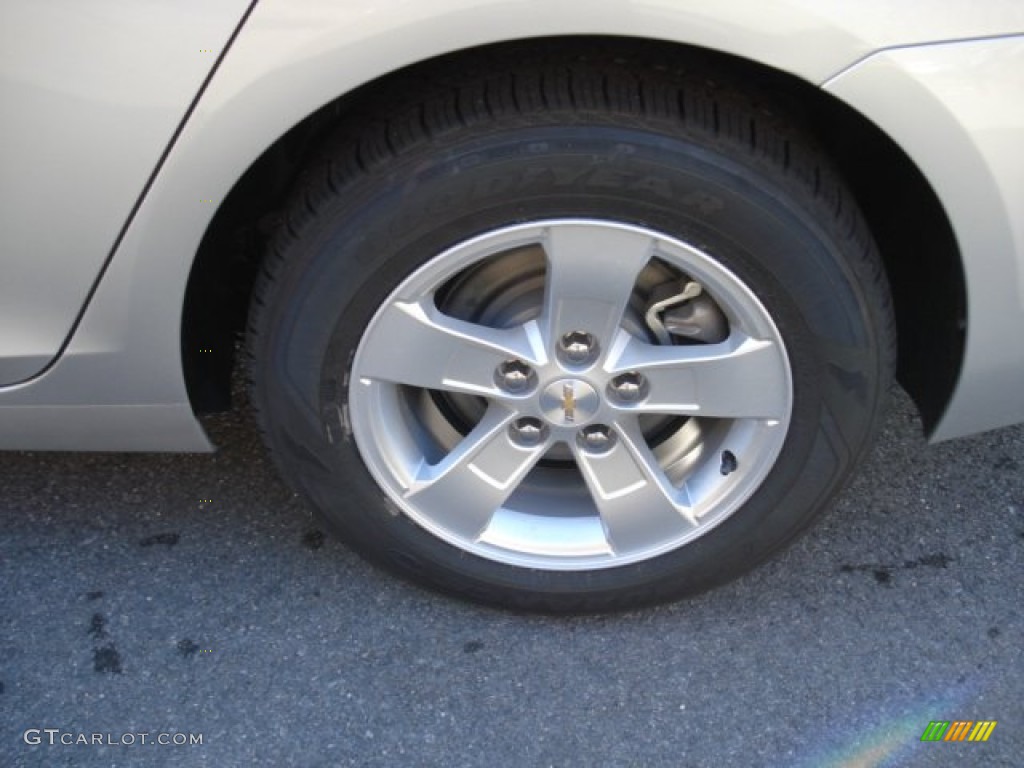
958,730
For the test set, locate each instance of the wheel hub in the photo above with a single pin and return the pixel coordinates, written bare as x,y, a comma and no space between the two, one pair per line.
569,402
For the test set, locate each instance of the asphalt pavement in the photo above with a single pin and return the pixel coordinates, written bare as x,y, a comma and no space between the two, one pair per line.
191,597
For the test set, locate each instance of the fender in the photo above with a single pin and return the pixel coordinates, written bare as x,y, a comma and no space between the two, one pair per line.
965,140
292,57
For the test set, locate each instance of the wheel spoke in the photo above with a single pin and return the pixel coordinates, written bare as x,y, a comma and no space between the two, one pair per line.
415,344
637,504
461,492
591,275
738,378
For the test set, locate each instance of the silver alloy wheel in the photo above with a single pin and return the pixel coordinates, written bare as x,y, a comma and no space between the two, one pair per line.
558,433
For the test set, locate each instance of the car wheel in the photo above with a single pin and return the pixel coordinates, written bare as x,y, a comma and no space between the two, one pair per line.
571,342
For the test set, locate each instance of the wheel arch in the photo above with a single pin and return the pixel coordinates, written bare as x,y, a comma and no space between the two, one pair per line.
908,221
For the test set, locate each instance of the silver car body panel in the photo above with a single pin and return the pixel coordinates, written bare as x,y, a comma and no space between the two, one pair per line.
119,384
92,94
958,111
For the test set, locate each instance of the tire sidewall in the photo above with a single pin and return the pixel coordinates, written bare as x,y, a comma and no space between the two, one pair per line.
389,222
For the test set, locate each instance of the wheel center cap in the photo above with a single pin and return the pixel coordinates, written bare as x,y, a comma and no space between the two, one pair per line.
569,402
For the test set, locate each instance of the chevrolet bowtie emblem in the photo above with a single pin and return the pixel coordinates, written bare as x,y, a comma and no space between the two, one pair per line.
569,401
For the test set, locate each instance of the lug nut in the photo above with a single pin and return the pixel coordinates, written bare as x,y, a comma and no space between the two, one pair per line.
629,387
578,347
528,431
597,438
515,376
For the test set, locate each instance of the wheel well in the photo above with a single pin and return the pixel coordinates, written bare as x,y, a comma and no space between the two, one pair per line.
920,252
914,235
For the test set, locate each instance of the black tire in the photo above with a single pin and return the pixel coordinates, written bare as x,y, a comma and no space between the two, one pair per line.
571,137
